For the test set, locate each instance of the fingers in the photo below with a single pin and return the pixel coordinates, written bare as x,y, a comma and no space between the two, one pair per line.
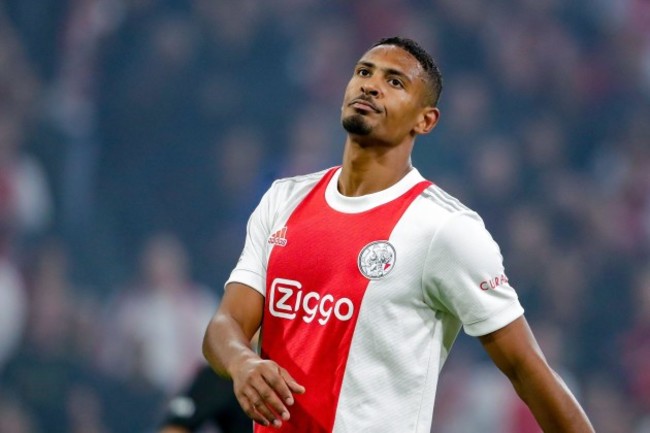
264,391
280,387
293,386
267,389
254,407
267,414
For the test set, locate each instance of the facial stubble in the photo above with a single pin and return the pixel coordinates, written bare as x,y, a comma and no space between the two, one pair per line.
356,124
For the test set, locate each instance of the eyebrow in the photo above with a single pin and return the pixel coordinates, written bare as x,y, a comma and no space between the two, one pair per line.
388,71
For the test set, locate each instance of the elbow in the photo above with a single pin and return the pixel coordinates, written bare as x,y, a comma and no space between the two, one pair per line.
206,347
209,349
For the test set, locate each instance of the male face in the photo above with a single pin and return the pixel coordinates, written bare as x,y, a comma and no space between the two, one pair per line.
384,101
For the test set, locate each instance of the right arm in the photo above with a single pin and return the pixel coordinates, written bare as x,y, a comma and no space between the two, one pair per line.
262,387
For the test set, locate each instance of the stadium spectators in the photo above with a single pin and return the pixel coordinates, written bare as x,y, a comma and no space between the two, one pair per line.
546,111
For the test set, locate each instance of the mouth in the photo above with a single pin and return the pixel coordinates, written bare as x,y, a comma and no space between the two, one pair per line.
364,105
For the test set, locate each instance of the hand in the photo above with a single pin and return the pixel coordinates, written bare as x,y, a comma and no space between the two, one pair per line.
264,390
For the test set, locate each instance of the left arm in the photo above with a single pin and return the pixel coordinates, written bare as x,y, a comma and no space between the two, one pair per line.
516,353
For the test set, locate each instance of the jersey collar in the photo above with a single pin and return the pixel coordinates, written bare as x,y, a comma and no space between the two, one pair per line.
345,204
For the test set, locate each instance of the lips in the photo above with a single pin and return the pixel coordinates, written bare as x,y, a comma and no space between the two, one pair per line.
364,103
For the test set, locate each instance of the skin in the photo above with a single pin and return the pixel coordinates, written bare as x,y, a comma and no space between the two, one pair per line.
387,95
174,429
514,350
392,81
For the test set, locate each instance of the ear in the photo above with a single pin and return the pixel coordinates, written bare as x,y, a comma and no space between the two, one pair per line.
428,120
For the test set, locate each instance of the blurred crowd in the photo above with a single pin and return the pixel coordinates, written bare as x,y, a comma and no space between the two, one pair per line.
136,136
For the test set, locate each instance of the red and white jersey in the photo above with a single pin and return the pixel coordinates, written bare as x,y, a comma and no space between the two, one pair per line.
364,297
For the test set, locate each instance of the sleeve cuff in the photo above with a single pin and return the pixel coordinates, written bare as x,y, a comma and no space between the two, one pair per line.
249,278
495,321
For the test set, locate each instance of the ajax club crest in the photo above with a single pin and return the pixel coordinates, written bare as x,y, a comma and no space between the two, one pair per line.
377,259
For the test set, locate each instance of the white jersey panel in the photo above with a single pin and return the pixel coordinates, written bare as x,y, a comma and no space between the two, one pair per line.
409,320
400,343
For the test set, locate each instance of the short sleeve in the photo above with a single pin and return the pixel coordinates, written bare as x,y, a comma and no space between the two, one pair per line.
251,266
464,276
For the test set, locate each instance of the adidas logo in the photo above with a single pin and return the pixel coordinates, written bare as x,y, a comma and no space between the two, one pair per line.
279,237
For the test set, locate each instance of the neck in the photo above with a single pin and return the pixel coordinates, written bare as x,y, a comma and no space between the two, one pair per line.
369,169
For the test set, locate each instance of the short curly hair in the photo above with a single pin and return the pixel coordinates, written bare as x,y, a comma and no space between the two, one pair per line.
433,74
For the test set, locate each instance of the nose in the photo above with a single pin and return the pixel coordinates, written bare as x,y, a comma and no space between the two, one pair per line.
370,89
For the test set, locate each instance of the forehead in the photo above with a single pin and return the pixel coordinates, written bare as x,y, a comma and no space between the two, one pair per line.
393,57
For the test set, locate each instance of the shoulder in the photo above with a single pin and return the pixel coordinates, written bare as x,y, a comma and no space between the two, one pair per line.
459,232
311,178
288,187
437,198
284,195
436,208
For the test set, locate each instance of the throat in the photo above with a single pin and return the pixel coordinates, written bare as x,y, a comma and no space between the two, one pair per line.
359,182
367,170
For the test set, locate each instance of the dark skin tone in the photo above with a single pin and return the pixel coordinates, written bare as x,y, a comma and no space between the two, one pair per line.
386,100
387,90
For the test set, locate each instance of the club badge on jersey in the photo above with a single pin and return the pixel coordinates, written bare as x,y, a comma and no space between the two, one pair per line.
377,259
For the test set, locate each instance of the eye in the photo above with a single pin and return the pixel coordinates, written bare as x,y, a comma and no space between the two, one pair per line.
396,83
363,72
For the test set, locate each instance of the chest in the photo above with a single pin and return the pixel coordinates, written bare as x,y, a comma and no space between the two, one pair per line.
322,261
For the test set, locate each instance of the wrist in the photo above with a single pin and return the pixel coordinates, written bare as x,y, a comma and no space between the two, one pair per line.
238,361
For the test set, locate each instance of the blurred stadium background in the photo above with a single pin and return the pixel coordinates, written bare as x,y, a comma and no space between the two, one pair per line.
137,135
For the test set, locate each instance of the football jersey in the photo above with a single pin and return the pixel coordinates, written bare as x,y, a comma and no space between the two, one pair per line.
364,297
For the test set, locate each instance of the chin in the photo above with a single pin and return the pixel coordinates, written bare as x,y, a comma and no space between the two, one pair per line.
356,124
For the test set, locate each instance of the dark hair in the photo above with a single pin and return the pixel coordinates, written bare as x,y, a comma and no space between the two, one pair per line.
433,74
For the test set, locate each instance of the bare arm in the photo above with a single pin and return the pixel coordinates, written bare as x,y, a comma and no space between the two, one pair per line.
516,353
261,386
227,339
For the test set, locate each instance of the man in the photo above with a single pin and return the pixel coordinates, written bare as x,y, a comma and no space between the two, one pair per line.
362,276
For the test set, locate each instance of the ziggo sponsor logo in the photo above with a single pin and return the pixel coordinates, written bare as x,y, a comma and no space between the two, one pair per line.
287,300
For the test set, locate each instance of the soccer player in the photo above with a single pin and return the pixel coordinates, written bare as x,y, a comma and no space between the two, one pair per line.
361,276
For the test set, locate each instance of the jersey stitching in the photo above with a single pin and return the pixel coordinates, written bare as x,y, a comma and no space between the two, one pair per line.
436,201
448,199
426,379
